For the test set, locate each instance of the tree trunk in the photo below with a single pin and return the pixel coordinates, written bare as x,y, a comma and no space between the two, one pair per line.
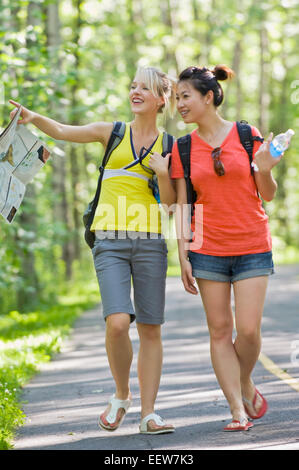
171,59
27,291
264,81
75,151
234,85
61,210
281,173
131,40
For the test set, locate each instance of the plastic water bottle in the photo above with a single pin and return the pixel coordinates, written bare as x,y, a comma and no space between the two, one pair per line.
153,184
156,191
280,143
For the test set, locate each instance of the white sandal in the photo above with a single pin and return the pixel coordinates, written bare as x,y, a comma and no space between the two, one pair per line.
145,427
116,405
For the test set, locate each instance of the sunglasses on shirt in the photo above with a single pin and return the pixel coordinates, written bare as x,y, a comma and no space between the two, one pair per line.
216,152
218,165
152,182
141,157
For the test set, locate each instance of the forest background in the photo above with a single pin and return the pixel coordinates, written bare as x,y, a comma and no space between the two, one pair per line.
73,60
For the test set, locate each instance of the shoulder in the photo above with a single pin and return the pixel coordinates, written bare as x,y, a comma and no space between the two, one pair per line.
185,138
102,131
120,129
254,130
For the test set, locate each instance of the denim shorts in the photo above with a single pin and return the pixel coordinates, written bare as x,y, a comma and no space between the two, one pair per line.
119,263
231,268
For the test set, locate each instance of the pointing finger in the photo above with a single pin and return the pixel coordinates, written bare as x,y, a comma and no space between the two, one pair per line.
15,103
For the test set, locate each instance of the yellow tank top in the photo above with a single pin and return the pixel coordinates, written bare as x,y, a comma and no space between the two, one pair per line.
126,202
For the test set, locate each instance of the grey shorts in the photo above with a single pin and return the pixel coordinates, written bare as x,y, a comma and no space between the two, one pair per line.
119,263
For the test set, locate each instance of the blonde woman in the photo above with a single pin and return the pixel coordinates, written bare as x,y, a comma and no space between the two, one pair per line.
129,245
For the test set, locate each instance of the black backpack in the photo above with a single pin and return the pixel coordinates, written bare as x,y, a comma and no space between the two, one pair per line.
184,148
115,139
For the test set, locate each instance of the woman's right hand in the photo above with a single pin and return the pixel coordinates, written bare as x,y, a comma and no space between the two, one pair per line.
187,278
26,114
159,164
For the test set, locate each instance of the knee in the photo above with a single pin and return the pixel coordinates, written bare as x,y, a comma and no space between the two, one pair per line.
149,333
221,331
117,325
250,334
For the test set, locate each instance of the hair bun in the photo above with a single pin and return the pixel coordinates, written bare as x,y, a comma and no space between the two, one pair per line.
222,72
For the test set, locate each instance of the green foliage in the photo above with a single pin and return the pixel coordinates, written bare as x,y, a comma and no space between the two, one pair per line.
27,341
55,57
73,61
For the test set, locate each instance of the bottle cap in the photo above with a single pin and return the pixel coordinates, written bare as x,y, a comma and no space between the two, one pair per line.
290,132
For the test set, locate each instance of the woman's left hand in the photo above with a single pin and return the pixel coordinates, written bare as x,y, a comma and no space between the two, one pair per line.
263,158
159,164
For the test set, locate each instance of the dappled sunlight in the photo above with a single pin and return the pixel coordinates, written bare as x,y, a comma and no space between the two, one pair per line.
65,400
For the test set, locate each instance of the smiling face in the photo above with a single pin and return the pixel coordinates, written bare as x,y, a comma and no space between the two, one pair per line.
142,99
191,104
147,94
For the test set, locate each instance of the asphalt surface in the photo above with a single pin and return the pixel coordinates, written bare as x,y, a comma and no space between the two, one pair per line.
63,401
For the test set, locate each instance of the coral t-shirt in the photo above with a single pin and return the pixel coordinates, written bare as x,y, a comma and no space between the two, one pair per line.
232,220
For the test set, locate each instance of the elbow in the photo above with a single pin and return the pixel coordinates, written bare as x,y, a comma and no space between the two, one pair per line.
169,202
169,206
59,133
267,199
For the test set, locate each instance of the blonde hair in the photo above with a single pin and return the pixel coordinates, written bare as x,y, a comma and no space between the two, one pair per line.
160,84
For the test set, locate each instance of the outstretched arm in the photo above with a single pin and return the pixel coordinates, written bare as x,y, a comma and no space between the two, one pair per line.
94,132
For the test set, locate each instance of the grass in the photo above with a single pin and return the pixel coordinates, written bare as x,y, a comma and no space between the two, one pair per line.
285,254
26,341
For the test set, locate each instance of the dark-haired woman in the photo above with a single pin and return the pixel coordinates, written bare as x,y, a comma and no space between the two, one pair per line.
235,246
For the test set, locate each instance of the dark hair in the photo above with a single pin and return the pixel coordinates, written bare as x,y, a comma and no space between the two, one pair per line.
204,80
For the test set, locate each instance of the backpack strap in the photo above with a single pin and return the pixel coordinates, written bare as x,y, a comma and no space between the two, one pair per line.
167,143
116,137
184,148
247,139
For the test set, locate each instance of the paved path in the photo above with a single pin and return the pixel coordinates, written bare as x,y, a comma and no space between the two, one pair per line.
62,402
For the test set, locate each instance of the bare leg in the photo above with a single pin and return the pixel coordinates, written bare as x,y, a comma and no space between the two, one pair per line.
149,368
149,365
217,304
249,304
120,355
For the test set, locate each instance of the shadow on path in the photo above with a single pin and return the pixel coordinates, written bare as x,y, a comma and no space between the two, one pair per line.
63,401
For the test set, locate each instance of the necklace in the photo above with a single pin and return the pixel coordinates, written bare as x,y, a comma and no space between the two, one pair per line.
219,135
